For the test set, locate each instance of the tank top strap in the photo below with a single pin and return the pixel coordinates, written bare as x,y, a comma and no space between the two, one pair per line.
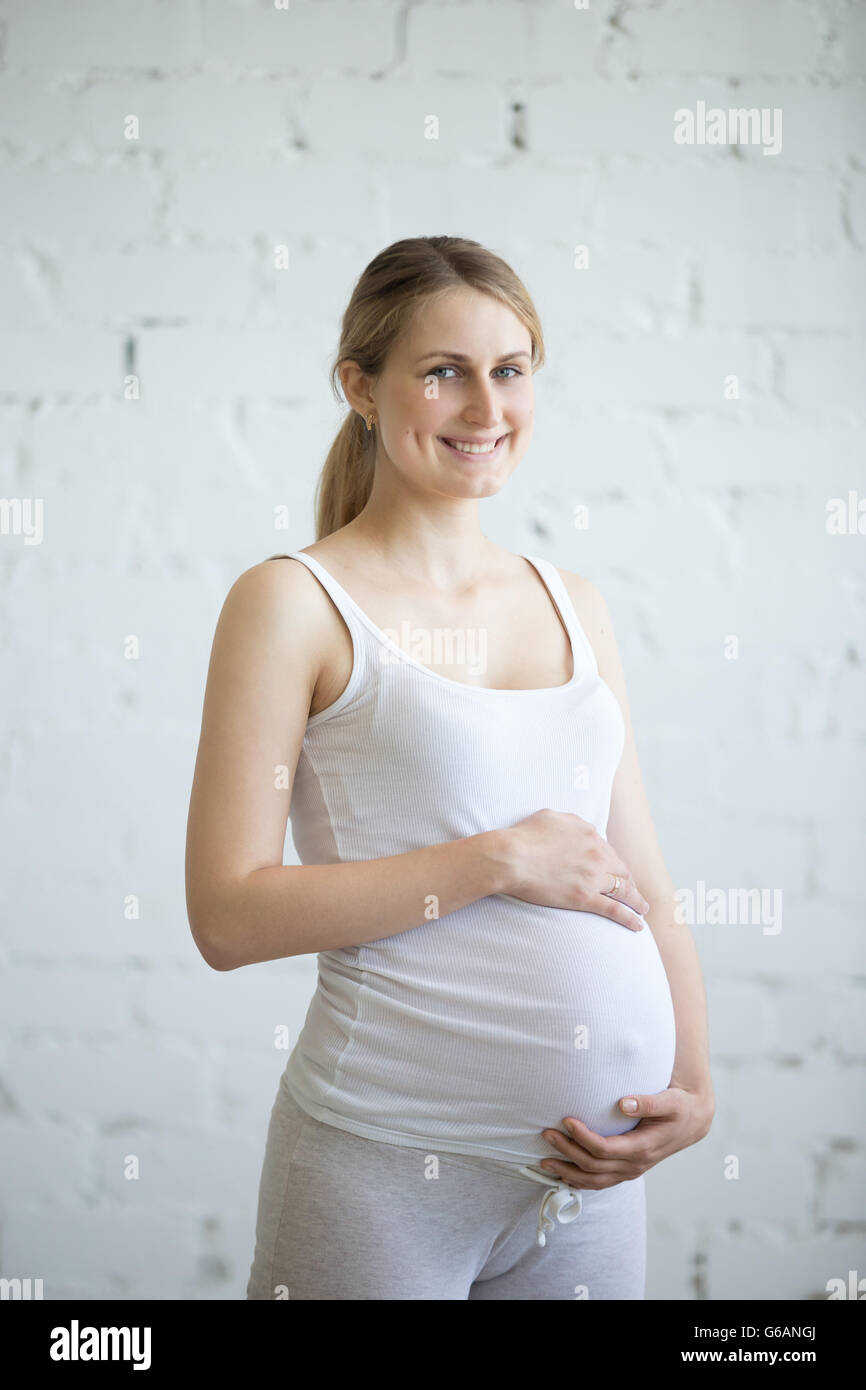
365,648
326,580
582,648
367,642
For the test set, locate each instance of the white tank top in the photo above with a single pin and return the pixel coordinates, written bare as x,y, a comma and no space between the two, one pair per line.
474,1031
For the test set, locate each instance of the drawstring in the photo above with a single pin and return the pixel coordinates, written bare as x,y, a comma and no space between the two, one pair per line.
562,1200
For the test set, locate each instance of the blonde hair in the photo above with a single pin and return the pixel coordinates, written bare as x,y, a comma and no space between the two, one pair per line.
388,295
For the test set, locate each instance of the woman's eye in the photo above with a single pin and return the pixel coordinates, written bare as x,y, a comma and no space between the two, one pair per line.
516,370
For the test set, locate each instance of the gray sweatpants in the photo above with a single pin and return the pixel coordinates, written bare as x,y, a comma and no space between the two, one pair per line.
344,1217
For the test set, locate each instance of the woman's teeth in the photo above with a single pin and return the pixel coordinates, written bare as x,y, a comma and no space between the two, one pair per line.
472,448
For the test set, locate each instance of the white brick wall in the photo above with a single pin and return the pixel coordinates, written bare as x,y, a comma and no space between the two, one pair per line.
305,127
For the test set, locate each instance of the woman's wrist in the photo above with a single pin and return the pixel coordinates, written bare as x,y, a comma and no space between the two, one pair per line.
496,851
700,1087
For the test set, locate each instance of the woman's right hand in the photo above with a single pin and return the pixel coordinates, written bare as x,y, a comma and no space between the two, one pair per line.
557,859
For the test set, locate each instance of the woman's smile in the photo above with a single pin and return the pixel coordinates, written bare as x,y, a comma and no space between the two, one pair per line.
473,449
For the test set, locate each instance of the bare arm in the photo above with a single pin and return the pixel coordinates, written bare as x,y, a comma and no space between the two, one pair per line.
294,910
631,832
244,905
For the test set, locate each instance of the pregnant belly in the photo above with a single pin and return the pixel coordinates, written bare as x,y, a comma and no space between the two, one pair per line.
497,1022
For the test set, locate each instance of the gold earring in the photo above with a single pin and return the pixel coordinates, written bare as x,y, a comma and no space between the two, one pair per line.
369,420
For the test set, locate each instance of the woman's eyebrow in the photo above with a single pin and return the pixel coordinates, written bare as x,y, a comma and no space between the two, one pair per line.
461,356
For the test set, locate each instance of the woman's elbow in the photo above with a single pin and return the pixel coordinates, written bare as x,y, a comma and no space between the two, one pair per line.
205,924
209,949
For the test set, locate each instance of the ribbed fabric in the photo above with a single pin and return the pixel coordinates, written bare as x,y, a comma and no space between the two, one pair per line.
474,1031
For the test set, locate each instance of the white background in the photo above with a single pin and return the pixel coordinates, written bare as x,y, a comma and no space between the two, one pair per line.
707,518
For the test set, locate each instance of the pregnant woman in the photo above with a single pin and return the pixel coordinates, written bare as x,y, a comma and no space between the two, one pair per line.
505,1033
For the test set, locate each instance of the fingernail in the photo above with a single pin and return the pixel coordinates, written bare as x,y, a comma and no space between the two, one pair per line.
629,1105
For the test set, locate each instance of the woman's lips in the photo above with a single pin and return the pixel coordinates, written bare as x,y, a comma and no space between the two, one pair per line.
461,453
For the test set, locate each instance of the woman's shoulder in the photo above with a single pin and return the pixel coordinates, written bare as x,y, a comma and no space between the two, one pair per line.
582,592
275,589
580,589
593,612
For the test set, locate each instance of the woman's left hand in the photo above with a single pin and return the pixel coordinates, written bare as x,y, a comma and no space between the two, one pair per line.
668,1121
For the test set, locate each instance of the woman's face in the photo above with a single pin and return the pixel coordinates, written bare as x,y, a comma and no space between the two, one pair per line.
461,375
